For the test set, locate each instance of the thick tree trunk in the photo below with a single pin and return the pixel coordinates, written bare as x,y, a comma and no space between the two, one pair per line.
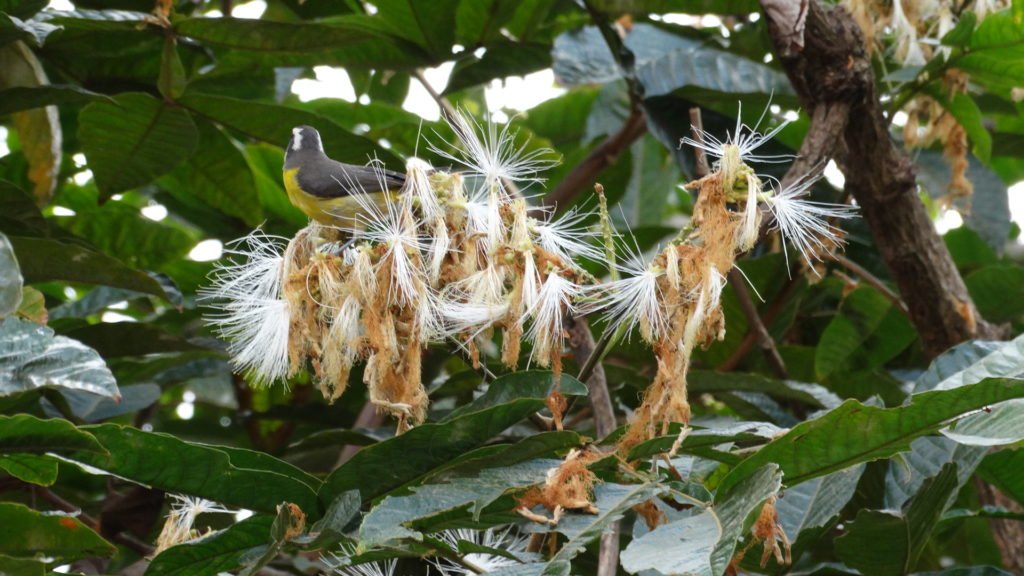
822,51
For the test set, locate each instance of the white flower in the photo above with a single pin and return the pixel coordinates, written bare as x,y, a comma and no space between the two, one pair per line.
751,215
182,517
493,154
745,139
252,315
632,301
381,568
806,223
417,185
567,238
490,538
554,301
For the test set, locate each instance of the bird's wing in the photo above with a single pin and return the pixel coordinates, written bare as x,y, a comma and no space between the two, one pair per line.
331,179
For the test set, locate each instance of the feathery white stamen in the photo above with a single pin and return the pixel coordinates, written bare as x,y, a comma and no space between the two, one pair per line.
554,301
567,238
748,230
633,301
806,223
417,185
439,245
252,316
490,538
182,518
745,138
493,154
531,281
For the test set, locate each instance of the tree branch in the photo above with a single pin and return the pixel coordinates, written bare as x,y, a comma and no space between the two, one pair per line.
831,69
756,326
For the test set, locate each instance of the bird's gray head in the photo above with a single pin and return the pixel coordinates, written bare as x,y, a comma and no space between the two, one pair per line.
304,139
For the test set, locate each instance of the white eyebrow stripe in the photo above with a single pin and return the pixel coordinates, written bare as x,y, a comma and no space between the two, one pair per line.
297,133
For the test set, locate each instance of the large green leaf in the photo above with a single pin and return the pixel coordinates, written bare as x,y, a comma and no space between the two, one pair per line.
32,357
168,463
480,22
273,123
501,60
699,437
868,331
807,510
134,139
989,213
224,551
813,395
393,519
680,547
26,433
116,339
853,433
124,233
665,63
735,506
612,502
998,291
395,461
994,54
39,129
1005,469
218,175
25,532
44,259
11,282
428,24
267,36
28,97
32,468
889,543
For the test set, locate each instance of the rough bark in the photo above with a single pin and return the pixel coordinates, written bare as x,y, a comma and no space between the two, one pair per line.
833,77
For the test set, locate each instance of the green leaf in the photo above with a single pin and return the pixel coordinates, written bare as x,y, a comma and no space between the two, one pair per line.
29,97
267,36
22,566
287,522
960,35
995,53
665,63
968,115
25,532
807,510
172,79
612,502
22,8
887,543
330,529
853,433
133,140
998,292
1003,469
223,551
11,282
218,175
116,339
687,6
501,60
398,460
32,357
813,395
123,232
989,213
39,130
740,432
680,547
33,305
993,426
868,331
168,463
19,214
44,259
395,517
272,123
41,470
26,433
736,506
480,22
428,24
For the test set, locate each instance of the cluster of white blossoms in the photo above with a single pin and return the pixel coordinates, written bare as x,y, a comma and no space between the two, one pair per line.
179,526
459,256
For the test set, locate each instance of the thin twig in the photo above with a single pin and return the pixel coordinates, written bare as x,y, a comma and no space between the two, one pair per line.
56,500
446,107
756,326
581,340
769,316
871,279
697,127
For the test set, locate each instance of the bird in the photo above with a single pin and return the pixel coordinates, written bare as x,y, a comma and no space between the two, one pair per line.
324,189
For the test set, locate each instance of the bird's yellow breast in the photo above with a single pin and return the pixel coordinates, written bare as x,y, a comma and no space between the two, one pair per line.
339,211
